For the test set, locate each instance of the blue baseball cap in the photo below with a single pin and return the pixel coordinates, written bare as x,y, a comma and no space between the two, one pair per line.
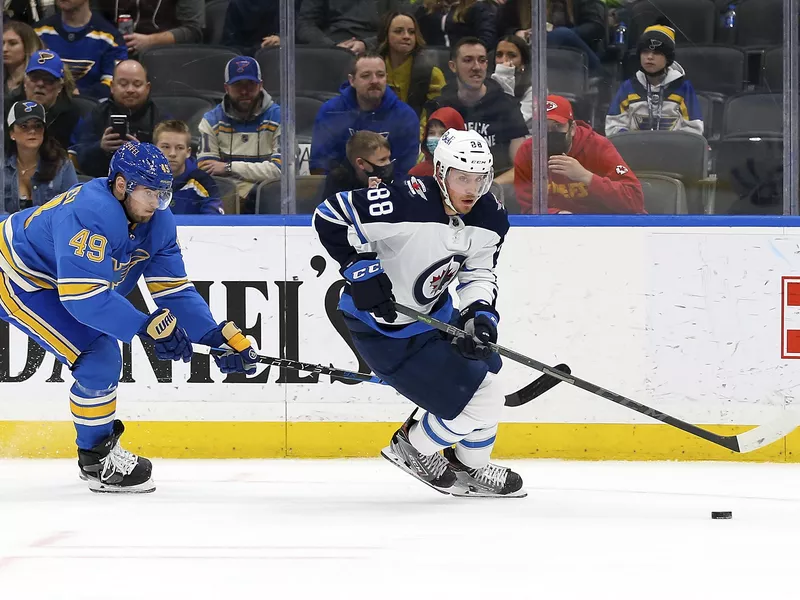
48,61
242,67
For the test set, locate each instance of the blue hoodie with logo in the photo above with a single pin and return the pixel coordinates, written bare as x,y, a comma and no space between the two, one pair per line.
341,116
194,192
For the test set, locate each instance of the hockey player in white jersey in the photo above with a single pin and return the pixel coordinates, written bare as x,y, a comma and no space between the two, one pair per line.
407,241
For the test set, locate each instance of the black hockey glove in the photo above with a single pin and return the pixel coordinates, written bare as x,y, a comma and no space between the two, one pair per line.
479,320
370,287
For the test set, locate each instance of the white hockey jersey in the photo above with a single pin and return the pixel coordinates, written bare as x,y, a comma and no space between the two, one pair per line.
420,247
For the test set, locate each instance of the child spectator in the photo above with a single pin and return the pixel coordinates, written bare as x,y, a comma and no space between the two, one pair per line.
369,163
441,120
658,97
445,22
19,42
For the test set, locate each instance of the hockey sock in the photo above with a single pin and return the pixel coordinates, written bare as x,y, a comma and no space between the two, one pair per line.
431,434
475,449
93,414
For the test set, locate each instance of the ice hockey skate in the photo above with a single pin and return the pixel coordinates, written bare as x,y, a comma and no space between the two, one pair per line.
108,468
491,481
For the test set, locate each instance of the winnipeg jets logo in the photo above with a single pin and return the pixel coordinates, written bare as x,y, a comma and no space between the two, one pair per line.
433,281
438,282
621,169
415,186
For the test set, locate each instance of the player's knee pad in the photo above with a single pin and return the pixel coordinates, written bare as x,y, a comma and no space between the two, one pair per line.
98,367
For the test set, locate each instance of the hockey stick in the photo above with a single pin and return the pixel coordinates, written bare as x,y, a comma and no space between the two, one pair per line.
748,441
533,390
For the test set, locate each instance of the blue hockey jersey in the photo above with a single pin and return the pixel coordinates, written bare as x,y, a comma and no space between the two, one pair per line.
90,53
82,245
420,247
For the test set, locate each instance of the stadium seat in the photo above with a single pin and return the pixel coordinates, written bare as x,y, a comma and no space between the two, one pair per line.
753,115
84,178
309,192
85,104
567,73
772,70
215,21
185,108
663,195
316,69
759,23
719,70
305,111
694,20
440,56
712,115
228,195
187,69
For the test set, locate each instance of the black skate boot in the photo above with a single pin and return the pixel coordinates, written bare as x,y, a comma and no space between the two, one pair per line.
109,468
432,470
489,481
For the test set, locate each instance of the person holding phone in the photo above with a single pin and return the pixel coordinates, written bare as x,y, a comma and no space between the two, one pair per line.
128,115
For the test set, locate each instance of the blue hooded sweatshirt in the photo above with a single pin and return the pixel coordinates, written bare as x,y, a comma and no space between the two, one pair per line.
341,116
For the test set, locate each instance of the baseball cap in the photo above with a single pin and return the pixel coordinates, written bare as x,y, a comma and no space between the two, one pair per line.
242,67
559,109
25,111
46,60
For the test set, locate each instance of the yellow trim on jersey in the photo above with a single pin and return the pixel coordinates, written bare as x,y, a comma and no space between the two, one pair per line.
80,291
19,312
93,412
268,126
64,198
6,252
623,106
157,285
196,186
45,29
681,104
102,35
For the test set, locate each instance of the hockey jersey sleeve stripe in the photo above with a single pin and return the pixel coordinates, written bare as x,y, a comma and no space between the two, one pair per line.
11,262
186,286
80,291
324,211
346,200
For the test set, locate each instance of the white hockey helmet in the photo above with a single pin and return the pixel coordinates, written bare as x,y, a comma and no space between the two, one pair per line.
466,151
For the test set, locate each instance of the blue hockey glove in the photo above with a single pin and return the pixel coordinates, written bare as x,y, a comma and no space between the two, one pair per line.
241,358
370,287
170,340
480,321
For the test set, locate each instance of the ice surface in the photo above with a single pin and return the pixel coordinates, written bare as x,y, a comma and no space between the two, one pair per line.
290,529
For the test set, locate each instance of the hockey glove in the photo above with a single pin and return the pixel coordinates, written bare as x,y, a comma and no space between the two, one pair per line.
241,357
170,340
370,287
479,320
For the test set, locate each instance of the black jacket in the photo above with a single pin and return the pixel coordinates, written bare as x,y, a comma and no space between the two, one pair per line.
479,21
341,178
328,22
248,22
93,160
589,18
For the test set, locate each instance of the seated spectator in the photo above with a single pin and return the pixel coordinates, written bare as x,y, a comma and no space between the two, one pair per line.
483,104
19,42
369,163
28,11
36,166
575,24
96,139
445,22
194,192
364,104
240,137
250,25
658,97
586,173
158,23
349,24
88,45
441,120
410,72
512,71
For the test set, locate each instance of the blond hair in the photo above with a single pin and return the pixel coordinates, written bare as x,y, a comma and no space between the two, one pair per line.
363,143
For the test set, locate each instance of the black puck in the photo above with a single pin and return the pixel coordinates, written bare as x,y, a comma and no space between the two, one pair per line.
725,514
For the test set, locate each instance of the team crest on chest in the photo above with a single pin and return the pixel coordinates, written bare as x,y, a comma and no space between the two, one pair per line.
433,281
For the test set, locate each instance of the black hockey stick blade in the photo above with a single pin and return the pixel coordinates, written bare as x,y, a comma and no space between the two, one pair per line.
537,387
755,438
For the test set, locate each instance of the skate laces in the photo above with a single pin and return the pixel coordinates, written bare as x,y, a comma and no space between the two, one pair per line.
118,460
435,463
492,475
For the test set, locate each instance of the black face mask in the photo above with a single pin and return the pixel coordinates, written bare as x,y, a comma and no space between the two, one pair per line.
383,172
557,143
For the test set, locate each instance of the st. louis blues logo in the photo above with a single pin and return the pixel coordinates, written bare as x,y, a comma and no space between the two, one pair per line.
44,56
241,65
433,281
29,106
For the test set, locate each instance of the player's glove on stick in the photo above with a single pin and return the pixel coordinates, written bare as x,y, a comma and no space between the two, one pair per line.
241,358
170,340
370,287
480,321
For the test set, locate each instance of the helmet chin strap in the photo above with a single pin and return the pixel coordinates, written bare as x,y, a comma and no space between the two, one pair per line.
445,195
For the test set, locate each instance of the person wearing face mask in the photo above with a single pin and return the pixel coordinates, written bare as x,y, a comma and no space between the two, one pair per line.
586,174
659,97
369,163
441,120
513,72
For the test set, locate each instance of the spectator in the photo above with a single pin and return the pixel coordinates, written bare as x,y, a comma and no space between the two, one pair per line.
441,120
410,72
88,44
364,104
157,23
658,97
95,138
349,24
575,24
36,166
194,192
445,22
369,163
483,104
512,59
28,11
240,137
252,24
586,173
19,42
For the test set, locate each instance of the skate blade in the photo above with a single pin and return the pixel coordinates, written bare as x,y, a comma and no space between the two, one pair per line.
101,488
463,489
396,461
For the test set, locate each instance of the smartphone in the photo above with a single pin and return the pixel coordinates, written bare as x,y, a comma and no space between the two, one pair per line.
119,125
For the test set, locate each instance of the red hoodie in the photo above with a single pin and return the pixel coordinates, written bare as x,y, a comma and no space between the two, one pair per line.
451,119
614,189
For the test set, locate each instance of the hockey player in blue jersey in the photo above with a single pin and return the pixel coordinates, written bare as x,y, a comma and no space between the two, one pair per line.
65,269
407,241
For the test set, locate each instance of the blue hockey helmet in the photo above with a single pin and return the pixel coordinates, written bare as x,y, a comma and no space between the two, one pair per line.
143,164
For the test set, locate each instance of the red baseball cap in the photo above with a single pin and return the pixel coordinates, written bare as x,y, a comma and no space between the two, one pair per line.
559,109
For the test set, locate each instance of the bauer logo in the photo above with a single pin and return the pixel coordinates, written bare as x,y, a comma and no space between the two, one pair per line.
790,317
